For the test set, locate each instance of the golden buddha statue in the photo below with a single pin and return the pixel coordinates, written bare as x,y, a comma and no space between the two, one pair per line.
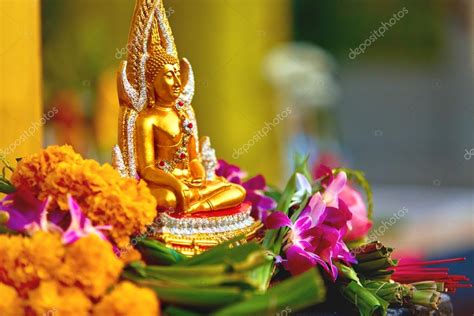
158,140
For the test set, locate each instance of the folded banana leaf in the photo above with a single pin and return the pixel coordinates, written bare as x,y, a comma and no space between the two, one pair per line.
288,296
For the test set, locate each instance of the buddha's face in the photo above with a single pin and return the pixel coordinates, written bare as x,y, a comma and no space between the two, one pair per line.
167,84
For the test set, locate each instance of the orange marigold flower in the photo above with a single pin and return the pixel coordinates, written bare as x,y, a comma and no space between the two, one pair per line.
10,303
25,262
128,207
50,298
91,265
103,195
128,299
129,255
31,171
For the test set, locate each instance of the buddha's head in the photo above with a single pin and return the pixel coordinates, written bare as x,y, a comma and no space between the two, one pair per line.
163,78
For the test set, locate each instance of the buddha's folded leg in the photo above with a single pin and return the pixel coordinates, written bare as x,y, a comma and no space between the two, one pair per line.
222,197
165,198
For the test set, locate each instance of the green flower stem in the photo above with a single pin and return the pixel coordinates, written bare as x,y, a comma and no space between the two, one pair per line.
271,235
263,275
408,290
377,264
440,286
426,298
368,303
377,254
392,292
274,237
426,285
348,273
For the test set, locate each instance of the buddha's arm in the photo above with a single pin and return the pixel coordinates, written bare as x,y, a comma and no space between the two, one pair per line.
195,165
146,159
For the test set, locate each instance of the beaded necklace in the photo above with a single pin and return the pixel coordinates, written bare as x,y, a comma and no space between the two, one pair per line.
181,155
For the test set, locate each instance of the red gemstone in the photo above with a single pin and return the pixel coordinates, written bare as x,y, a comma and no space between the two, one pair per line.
180,103
190,125
162,163
182,155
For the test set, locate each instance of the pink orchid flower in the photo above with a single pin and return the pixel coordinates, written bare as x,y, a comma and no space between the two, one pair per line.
334,188
316,236
29,215
80,225
43,224
360,223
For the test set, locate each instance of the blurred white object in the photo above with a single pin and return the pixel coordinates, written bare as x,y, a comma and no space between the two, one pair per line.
304,78
303,73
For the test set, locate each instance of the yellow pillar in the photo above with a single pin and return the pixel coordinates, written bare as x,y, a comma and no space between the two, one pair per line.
21,119
226,42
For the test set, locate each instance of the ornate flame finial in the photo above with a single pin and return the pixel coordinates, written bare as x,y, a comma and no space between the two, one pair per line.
162,49
162,36
150,46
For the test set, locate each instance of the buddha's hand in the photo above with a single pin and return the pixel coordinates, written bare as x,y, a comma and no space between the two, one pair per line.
183,196
198,173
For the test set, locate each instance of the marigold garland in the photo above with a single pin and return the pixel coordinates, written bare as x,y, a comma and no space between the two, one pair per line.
50,298
91,265
25,262
41,276
33,170
103,195
11,303
128,300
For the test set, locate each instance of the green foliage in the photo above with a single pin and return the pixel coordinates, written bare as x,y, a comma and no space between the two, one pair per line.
273,237
156,252
368,303
5,185
292,294
229,278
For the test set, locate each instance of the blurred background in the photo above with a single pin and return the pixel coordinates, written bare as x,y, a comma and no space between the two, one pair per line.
385,87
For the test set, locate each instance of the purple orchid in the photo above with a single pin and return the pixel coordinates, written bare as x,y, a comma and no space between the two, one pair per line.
316,236
255,187
80,225
29,215
23,209
43,224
